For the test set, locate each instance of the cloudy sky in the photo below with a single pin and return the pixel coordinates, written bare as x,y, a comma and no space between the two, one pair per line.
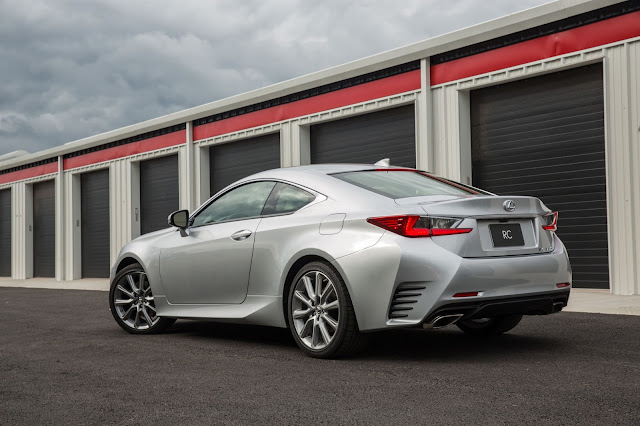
75,68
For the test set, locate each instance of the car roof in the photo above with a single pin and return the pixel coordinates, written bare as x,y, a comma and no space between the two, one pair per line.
317,177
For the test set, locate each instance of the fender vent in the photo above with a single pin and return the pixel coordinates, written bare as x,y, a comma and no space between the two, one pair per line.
405,296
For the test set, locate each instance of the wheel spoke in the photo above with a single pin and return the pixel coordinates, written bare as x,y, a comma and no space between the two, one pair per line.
128,293
127,313
301,313
318,288
147,317
332,323
151,307
333,305
323,330
309,287
143,281
303,299
132,284
328,291
123,301
306,330
316,334
136,323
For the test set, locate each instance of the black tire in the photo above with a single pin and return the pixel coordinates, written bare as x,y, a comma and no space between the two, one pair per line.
489,326
115,291
347,339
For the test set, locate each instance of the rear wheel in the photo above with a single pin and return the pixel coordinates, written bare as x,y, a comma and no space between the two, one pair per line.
321,315
132,303
489,326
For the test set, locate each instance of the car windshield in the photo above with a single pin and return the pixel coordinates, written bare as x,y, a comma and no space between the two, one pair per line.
402,184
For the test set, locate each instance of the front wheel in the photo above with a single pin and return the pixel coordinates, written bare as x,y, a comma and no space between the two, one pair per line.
321,315
489,326
132,304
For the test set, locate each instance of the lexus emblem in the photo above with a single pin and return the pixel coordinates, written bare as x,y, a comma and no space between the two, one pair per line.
509,205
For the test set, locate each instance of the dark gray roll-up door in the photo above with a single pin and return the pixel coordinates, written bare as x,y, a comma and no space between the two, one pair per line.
367,138
95,224
545,137
44,229
159,192
232,161
5,233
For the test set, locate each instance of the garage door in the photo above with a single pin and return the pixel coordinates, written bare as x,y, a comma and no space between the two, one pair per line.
545,137
5,233
367,138
159,188
44,229
232,161
95,224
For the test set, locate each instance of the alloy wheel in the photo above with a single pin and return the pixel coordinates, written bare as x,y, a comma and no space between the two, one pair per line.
315,310
133,301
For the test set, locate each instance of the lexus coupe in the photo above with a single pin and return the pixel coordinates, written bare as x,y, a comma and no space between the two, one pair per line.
335,252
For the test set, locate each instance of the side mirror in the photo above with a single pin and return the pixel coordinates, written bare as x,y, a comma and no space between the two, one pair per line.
179,219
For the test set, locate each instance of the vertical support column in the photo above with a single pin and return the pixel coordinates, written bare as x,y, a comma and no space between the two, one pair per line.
18,232
189,173
134,198
464,130
60,234
28,229
203,174
288,146
424,119
76,231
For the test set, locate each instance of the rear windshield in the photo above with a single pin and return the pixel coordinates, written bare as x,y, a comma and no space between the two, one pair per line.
401,184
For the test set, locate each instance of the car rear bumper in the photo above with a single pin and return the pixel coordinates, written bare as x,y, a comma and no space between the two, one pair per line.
405,282
537,304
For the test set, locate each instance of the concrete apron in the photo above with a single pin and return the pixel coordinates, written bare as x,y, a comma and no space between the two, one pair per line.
581,300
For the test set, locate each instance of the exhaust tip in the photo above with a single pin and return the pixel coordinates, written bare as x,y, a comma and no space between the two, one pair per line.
443,321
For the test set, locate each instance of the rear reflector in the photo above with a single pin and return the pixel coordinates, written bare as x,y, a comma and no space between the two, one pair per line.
468,294
562,285
415,226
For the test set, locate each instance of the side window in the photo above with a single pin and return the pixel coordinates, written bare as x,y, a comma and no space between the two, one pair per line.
239,203
286,199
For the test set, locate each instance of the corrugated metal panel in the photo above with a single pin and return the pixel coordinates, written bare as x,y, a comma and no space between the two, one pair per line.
367,138
545,137
5,233
95,224
622,67
233,161
44,229
159,192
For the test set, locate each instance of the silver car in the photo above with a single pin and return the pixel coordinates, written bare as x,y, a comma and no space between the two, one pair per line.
335,252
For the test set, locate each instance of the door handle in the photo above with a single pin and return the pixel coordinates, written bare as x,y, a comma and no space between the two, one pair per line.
241,235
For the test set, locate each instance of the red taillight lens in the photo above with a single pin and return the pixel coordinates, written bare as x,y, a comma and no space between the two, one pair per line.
550,221
563,285
417,226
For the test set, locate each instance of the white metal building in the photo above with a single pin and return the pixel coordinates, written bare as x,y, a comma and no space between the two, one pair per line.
545,102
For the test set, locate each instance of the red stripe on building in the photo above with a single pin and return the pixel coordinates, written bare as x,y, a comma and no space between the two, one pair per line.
31,172
352,95
151,144
585,37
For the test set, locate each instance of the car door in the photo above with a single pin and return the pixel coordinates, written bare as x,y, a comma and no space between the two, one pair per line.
211,263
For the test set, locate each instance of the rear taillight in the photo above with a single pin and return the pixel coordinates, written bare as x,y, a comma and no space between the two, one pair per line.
550,221
419,226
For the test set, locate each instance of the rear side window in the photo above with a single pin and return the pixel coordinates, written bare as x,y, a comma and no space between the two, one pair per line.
243,202
400,184
286,199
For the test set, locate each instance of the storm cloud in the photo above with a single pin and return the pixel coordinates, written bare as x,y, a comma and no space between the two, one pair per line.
72,68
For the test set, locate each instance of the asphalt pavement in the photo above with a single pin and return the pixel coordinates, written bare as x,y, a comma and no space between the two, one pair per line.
63,360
